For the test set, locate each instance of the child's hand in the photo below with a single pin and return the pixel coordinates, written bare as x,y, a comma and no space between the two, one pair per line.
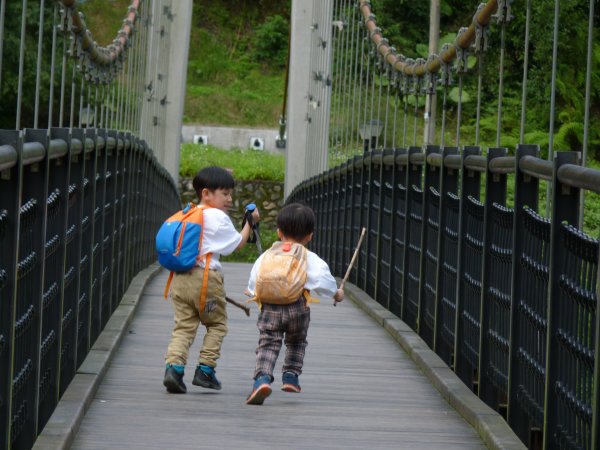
255,216
339,295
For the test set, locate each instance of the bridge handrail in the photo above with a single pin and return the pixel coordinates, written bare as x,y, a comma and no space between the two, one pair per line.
449,262
536,167
580,177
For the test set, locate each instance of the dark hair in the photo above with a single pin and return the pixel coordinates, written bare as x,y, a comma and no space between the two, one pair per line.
296,221
212,178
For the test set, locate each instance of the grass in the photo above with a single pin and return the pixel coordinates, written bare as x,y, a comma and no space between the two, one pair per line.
226,86
247,164
104,19
249,252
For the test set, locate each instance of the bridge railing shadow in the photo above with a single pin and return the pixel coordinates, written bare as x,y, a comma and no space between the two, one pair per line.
504,295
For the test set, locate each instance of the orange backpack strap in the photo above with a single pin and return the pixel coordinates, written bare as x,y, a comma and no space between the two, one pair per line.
205,276
166,293
204,282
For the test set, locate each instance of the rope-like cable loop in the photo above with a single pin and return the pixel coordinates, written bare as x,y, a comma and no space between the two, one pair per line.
101,63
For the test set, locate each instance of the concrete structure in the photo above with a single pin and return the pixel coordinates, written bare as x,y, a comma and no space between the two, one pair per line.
229,137
165,82
297,104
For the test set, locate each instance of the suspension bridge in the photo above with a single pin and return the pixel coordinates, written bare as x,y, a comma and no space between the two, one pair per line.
471,320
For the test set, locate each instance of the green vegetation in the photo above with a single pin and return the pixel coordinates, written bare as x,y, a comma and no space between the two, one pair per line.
249,252
246,164
238,51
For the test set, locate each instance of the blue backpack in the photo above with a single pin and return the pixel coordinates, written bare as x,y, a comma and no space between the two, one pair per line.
178,243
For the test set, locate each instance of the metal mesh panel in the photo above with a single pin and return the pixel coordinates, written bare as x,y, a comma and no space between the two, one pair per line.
448,274
431,261
531,303
398,250
471,279
385,236
498,296
578,305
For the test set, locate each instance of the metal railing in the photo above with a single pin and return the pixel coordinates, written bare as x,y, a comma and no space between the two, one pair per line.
505,296
81,194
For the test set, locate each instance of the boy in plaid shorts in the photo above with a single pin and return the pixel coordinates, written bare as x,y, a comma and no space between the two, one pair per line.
289,322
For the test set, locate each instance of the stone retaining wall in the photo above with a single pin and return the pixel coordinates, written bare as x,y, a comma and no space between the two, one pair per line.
267,195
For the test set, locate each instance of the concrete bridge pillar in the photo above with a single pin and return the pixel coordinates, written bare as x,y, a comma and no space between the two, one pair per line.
165,81
297,105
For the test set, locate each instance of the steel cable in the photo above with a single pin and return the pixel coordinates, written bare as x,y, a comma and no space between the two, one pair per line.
52,65
21,65
552,97
588,90
336,74
38,74
525,70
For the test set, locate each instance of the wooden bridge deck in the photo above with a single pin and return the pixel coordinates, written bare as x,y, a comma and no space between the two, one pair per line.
360,390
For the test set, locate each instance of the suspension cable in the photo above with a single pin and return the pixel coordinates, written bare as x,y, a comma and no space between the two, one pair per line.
38,74
586,118
503,20
525,69
396,93
356,24
21,65
405,92
459,109
348,44
337,39
52,65
417,91
2,14
552,98
388,74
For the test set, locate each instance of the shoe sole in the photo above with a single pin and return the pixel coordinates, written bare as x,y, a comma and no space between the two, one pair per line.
206,384
259,395
291,388
173,387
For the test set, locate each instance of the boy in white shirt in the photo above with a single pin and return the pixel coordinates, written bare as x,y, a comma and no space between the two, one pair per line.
214,186
287,319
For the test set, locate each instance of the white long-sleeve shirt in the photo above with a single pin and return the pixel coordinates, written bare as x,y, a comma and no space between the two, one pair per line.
219,237
319,280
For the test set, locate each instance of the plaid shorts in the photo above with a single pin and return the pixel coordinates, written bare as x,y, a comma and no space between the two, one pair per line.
278,323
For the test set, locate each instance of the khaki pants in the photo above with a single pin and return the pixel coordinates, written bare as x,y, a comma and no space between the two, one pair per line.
185,293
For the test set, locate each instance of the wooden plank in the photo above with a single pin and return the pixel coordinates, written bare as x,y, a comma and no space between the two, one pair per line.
359,389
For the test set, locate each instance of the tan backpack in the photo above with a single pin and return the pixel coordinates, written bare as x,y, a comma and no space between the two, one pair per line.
282,274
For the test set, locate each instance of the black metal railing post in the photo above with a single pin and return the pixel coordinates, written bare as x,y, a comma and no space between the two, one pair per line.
337,212
362,261
399,219
466,335
494,321
356,211
11,175
596,383
563,388
445,308
77,291
89,224
386,232
373,225
30,289
412,233
520,404
429,242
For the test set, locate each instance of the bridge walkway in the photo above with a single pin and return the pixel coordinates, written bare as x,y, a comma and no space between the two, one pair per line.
360,389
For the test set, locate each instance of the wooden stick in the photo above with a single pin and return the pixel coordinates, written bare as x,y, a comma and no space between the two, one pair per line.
239,305
352,261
